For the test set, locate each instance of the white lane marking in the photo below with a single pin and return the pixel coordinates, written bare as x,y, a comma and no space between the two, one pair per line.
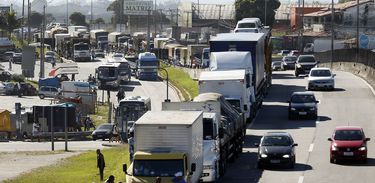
300,179
311,147
371,88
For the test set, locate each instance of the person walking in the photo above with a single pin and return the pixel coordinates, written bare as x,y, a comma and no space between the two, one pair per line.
100,163
131,145
120,95
111,179
178,178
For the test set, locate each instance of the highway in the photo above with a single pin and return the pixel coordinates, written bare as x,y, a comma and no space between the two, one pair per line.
352,103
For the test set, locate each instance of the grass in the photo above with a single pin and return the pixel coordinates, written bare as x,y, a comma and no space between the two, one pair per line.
181,80
33,83
31,153
101,115
79,168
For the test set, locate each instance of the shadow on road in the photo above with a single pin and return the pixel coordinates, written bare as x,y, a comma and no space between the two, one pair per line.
134,83
370,162
324,118
282,93
299,167
285,76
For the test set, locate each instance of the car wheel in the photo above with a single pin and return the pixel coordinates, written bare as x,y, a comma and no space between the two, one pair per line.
94,139
331,160
41,96
364,161
315,117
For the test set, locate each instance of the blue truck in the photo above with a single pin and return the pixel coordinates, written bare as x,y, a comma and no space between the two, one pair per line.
147,66
259,45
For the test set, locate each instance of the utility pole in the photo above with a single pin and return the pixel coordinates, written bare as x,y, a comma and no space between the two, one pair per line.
198,11
332,32
357,57
303,29
28,22
218,22
23,15
148,30
91,16
161,20
67,12
154,18
42,44
265,12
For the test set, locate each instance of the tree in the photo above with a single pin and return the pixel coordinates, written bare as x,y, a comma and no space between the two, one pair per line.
115,6
78,18
36,19
50,18
344,1
99,21
9,22
255,8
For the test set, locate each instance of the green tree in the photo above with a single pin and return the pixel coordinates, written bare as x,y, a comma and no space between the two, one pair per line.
99,21
9,22
255,8
78,18
50,18
344,1
36,19
115,6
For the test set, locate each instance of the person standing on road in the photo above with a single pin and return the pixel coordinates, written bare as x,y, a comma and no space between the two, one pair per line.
178,178
100,163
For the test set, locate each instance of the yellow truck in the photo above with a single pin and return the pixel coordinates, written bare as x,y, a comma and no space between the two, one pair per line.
167,143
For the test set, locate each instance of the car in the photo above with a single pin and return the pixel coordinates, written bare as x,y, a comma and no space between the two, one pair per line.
99,53
348,143
104,131
7,56
50,56
304,64
48,91
5,76
321,78
284,52
288,62
276,148
294,53
249,25
276,65
303,104
17,58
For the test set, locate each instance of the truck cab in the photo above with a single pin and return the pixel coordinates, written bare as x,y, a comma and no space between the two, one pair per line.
147,66
82,52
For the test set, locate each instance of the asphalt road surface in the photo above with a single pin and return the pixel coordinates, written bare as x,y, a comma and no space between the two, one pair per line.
352,103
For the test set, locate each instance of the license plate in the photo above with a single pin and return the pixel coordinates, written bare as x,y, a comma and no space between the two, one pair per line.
275,161
348,153
302,113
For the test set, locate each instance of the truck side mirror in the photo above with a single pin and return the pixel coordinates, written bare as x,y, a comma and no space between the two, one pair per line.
193,167
221,133
125,168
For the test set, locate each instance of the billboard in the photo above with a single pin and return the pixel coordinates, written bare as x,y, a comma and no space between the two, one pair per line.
28,61
138,7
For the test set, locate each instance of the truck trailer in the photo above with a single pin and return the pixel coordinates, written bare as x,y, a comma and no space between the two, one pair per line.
99,38
77,49
166,143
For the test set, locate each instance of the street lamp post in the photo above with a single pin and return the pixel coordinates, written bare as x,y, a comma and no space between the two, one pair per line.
166,100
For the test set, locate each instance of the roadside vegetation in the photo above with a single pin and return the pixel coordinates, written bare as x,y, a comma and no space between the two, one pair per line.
80,168
181,80
101,115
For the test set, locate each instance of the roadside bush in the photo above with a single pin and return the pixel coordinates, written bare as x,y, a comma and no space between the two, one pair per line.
18,78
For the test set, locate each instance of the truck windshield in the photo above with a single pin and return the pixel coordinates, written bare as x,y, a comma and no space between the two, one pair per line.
81,47
247,25
208,129
303,99
132,110
105,72
103,38
162,168
149,63
306,60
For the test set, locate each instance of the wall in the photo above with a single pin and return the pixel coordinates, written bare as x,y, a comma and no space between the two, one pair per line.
294,18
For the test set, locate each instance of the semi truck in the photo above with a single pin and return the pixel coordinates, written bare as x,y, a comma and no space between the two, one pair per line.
234,85
99,38
223,132
77,49
59,38
260,48
77,30
113,38
195,54
166,143
147,66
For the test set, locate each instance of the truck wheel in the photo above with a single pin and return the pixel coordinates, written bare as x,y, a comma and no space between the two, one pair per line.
41,96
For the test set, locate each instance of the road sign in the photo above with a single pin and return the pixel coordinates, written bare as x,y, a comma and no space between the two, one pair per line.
138,7
363,41
28,61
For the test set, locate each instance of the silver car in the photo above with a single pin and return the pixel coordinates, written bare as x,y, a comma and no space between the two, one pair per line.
48,91
321,78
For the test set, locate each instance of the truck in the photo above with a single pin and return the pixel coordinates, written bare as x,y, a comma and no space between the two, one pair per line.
234,85
59,38
124,69
113,38
107,75
260,48
73,30
223,132
5,45
195,54
76,49
147,66
166,143
99,38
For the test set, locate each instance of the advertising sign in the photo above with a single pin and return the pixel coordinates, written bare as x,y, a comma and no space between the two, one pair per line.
28,61
138,7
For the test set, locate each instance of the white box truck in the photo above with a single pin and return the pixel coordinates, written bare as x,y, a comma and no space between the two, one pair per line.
234,85
167,142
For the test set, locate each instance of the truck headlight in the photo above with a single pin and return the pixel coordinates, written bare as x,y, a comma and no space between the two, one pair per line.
334,148
263,156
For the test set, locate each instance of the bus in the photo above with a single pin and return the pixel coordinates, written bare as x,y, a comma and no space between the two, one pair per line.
107,76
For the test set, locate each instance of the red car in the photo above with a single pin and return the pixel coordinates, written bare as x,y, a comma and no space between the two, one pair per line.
348,142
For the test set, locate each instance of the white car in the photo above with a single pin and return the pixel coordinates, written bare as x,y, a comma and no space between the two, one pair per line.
249,25
321,78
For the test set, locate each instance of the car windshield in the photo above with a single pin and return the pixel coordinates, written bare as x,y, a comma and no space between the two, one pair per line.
285,51
303,99
348,135
320,73
306,59
276,141
118,55
152,168
105,127
246,25
290,59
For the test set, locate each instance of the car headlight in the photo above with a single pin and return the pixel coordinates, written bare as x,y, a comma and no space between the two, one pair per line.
334,148
293,109
286,156
263,156
363,148
298,66
312,109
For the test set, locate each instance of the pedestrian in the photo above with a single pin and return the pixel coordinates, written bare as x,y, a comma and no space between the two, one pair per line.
36,129
178,178
111,179
131,145
100,163
53,62
120,95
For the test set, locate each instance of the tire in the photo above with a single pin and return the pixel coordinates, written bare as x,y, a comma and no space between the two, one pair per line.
41,96
364,161
296,74
259,165
315,117
93,139
292,164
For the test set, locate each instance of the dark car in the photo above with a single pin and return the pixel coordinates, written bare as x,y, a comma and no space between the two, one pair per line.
7,56
303,104
276,148
304,64
5,76
348,142
104,131
288,62
17,58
